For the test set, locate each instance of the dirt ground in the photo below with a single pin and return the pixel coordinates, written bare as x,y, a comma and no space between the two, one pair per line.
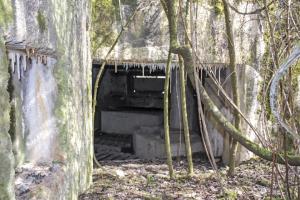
137,179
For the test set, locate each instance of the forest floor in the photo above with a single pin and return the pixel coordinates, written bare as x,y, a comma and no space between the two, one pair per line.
138,179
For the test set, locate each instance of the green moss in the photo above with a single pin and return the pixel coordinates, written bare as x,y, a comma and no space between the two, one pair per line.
295,75
6,155
230,194
10,89
218,7
61,76
41,21
5,12
4,100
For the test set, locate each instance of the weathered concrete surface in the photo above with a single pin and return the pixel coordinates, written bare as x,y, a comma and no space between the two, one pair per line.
148,143
250,105
62,26
249,87
6,154
147,36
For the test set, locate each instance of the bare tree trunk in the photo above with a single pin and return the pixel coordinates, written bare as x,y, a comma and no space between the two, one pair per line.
188,148
234,82
166,118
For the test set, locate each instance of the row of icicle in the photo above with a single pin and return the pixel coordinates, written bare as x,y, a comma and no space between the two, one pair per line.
161,66
20,60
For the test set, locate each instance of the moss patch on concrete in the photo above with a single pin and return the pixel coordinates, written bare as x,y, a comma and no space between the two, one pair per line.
72,72
5,12
218,7
6,155
41,21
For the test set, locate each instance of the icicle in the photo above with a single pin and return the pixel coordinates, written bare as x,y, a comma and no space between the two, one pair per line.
143,69
44,60
116,67
162,66
19,63
25,63
49,62
12,58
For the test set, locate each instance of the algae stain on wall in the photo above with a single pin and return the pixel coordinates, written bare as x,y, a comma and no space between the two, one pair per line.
5,12
39,102
41,21
6,154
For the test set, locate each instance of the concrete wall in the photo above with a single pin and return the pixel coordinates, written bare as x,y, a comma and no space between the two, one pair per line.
6,154
147,36
249,87
63,27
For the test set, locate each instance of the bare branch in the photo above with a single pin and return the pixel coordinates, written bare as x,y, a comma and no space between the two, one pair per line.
254,12
274,87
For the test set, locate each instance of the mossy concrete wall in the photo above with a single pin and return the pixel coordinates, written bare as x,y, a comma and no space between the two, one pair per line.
6,154
73,75
147,36
62,26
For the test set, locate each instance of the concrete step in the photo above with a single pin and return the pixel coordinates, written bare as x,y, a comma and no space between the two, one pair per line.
149,143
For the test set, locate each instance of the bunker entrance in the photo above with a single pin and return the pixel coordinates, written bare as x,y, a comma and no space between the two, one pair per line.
129,113
129,98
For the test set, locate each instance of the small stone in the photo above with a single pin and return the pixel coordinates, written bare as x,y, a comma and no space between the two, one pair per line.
120,173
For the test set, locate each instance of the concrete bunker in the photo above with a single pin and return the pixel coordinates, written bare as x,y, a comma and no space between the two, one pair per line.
129,116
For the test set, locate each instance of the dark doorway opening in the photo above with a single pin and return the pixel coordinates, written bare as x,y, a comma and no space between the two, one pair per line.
128,98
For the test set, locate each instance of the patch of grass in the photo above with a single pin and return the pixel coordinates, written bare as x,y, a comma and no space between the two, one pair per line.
229,195
150,179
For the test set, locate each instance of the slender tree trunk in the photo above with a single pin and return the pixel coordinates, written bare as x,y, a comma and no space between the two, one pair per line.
100,74
170,10
166,118
234,82
188,148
